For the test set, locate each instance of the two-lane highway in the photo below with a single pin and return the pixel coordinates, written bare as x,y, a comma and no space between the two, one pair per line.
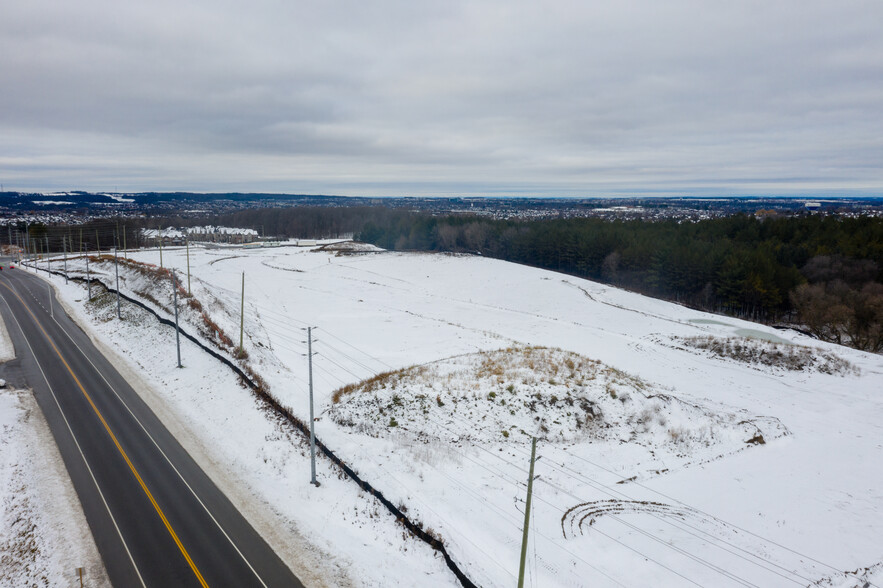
157,519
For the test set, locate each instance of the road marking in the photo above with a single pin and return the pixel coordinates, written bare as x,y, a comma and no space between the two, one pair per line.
77,443
169,461
116,443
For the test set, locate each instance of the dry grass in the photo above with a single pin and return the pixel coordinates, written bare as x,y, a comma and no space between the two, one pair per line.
758,352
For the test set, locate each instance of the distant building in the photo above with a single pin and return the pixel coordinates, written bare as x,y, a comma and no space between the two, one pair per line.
169,236
210,234
813,205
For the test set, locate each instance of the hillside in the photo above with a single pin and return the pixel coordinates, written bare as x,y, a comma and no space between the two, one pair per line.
666,459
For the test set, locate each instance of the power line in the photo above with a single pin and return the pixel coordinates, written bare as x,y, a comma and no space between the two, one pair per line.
709,539
516,524
770,541
649,535
610,491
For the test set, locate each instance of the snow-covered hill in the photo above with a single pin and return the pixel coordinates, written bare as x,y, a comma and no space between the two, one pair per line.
667,458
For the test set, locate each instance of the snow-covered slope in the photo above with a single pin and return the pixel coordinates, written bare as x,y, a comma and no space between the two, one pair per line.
678,490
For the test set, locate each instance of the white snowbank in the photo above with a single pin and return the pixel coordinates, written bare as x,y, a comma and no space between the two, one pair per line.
44,537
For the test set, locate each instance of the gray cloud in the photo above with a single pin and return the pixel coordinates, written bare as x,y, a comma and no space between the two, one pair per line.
396,97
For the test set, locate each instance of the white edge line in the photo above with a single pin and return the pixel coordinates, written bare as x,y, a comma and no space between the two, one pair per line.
74,437
143,428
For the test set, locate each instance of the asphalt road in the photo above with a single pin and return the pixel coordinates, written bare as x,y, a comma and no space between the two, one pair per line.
157,519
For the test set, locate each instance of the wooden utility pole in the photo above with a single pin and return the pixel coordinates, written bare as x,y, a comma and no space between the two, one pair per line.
312,420
533,454
88,276
116,265
177,330
160,249
242,315
187,243
64,244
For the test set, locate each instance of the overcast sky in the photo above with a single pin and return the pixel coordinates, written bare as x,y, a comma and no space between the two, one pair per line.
404,97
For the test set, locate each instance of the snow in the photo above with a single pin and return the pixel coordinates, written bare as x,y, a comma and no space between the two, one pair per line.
7,351
210,229
44,537
120,199
671,493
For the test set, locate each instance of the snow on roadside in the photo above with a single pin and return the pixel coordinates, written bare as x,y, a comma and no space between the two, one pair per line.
335,535
7,351
44,536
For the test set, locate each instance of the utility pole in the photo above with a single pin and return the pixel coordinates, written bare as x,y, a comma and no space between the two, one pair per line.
242,315
89,276
312,420
177,330
187,243
64,244
533,453
160,249
116,266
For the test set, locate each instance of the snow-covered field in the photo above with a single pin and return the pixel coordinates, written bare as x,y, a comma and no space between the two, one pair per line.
660,463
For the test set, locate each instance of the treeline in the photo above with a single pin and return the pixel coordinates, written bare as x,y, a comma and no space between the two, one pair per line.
821,272
824,273
299,222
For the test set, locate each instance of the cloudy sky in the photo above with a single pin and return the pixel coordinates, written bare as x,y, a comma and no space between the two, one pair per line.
396,97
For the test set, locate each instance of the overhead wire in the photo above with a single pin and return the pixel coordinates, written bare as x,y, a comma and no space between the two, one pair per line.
709,539
442,519
363,366
558,508
711,516
618,519
516,524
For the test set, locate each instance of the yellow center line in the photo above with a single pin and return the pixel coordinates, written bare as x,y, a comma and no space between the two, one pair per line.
116,442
